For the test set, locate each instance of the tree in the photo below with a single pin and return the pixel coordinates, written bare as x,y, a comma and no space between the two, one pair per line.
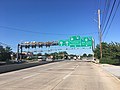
59,55
115,50
111,52
39,54
47,55
5,53
2,50
90,55
104,50
63,53
84,55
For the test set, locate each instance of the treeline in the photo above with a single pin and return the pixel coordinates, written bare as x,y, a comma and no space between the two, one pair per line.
85,55
111,53
5,53
58,55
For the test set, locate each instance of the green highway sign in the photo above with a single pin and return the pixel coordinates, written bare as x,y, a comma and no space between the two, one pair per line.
73,38
86,41
77,41
61,43
67,42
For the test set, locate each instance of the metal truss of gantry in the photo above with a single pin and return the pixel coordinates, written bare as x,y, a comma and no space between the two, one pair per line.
33,45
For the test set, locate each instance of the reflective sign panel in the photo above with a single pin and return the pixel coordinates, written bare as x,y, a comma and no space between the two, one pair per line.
86,41
77,41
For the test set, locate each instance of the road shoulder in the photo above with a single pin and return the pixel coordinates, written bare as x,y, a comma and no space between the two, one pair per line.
111,69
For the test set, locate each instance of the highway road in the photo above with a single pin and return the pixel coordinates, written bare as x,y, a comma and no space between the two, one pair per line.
65,75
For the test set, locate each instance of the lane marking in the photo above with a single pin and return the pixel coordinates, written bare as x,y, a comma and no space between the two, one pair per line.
39,73
67,75
70,73
27,69
77,66
8,73
30,76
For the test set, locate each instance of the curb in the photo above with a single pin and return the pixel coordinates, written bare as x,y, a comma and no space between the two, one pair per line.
109,73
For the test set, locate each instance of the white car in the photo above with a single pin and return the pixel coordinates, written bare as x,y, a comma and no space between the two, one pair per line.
41,58
74,58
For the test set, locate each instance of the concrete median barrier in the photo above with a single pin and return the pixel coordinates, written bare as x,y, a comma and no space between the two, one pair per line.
13,67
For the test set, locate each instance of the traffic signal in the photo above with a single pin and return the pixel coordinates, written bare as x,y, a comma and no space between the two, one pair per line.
47,44
33,46
40,46
27,46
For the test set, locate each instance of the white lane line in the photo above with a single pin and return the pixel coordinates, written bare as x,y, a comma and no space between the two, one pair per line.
70,73
30,76
38,73
43,70
77,66
67,75
8,73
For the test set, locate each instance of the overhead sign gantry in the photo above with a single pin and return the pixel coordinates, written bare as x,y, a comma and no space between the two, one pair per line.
73,42
33,45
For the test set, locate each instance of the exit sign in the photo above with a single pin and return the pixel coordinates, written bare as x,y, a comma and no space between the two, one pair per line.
77,41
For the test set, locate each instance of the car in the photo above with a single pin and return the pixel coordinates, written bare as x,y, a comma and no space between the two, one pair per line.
75,58
41,58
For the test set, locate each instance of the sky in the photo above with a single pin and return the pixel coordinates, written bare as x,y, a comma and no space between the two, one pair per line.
52,20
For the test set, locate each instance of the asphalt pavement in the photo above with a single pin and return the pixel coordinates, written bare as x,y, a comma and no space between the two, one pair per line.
65,75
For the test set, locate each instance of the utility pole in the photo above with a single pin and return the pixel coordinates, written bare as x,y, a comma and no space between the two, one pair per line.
100,33
93,47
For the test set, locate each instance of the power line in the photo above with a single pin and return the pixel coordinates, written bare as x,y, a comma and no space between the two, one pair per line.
107,10
109,17
3,44
104,11
6,45
16,29
112,19
99,4
95,5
